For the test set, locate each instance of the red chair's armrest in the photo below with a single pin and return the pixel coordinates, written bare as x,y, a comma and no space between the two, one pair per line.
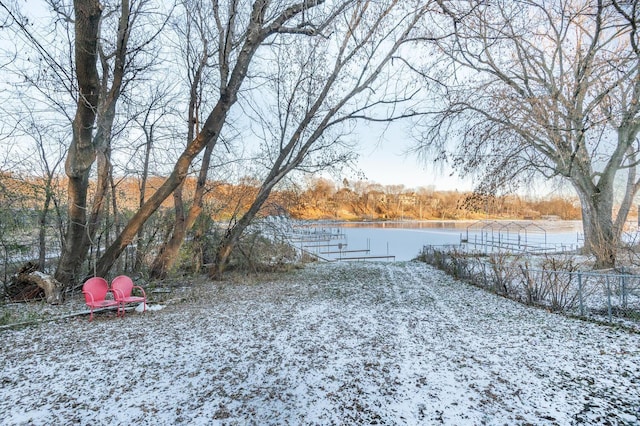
89,293
117,294
142,290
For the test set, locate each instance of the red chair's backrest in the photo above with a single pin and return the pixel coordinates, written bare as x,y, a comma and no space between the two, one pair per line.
122,286
98,288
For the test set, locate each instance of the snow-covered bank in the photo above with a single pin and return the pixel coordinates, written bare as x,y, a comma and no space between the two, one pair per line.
352,343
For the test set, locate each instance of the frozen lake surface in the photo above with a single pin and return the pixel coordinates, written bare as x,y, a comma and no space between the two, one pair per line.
405,240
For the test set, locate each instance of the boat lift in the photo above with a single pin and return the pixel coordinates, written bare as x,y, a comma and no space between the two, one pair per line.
496,235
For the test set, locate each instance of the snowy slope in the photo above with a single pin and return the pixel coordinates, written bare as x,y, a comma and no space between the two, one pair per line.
368,343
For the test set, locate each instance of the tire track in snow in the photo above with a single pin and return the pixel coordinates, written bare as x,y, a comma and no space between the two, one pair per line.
524,360
480,352
444,368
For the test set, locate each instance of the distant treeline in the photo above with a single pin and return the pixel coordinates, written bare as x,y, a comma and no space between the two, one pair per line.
324,199
315,199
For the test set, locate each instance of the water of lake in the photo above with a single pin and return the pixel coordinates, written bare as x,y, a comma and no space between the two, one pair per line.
405,240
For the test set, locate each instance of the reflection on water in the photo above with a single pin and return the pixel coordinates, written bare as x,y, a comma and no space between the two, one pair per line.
547,225
431,224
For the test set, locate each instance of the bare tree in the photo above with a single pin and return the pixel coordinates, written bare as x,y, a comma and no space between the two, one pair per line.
81,154
119,36
320,87
541,86
37,105
241,38
45,176
122,59
157,123
198,51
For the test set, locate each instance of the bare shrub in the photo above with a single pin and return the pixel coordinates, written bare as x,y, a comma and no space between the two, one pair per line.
459,264
628,255
553,283
561,281
503,266
534,289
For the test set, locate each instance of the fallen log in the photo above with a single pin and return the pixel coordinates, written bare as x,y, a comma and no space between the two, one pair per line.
30,284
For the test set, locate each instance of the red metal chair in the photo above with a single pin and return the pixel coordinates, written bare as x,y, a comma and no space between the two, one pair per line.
122,286
95,292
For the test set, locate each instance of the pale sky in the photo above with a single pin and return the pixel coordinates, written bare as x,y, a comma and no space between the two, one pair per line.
384,159
388,165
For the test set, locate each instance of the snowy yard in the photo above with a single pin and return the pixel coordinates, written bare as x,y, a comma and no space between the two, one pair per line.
367,343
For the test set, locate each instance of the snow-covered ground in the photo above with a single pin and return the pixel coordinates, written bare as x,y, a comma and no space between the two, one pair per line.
363,343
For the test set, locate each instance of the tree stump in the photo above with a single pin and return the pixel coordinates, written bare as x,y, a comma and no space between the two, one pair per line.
30,284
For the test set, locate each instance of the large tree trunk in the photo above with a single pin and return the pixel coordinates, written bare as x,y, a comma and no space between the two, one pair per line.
109,97
104,112
81,153
601,239
603,233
